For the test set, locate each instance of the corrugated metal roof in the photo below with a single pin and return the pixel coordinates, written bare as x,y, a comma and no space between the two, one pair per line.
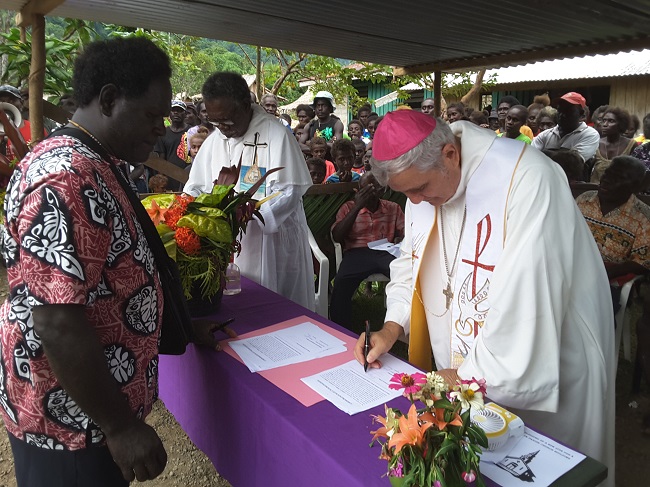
599,66
422,34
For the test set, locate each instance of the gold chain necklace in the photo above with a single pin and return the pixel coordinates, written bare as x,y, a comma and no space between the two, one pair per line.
87,132
448,292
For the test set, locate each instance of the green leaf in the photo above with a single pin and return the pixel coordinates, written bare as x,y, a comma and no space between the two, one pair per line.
213,228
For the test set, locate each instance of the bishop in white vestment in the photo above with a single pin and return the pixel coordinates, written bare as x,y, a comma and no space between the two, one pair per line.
275,254
500,275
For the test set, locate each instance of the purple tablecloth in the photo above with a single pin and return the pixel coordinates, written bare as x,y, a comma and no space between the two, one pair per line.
253,432
256,434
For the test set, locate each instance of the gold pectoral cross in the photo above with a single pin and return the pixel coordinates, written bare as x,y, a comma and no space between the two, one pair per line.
449,294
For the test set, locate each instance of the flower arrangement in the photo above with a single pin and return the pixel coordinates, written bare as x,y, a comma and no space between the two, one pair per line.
202,234
437,445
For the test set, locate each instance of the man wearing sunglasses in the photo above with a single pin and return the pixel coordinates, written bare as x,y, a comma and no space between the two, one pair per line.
275,253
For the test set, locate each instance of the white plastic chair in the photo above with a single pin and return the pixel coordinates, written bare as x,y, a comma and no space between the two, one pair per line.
622,320
321,296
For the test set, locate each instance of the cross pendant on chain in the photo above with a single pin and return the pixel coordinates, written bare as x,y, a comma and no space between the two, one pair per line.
449,294
255,144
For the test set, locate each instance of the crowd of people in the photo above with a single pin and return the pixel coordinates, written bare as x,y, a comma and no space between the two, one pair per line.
502,275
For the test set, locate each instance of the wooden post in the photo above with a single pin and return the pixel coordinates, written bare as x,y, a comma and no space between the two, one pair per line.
258,75
37,77
437,93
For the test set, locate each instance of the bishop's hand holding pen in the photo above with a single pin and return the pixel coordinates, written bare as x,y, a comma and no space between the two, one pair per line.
380,342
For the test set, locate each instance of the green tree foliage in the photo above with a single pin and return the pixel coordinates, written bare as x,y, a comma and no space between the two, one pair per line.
58,72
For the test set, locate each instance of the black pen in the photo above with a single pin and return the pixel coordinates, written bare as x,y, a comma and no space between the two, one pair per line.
366,347
221,326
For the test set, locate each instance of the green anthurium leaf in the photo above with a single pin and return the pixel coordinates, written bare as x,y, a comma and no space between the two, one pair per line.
170,247
213,199
212,212
215,229
163,229
163,200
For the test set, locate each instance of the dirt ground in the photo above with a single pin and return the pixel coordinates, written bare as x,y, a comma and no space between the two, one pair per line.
187,466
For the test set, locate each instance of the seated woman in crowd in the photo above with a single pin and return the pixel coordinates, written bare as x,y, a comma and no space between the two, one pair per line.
615,123
343,153
455,112
546,119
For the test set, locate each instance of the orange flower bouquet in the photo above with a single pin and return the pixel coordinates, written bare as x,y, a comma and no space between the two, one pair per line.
201,234
437,445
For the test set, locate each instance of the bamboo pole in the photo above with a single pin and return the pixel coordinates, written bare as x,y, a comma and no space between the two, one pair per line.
258,75
437,93
37,77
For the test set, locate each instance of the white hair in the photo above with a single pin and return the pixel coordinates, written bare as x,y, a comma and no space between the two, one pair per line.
423,157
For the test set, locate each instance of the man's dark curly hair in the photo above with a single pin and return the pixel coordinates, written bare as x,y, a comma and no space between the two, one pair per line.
128,63
227,85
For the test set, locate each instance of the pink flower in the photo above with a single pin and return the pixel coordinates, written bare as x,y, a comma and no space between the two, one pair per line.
397,471
436,483
469,477
411,384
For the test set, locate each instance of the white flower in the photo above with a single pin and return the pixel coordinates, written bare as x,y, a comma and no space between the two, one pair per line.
469,393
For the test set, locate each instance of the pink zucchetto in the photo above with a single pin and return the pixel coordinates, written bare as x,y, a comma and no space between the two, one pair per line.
399,132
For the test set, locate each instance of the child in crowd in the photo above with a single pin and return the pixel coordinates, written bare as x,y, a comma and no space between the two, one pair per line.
366,160
299,130
373,122
316,167
158,183
355,130
343,152
359,152
318,148
196,141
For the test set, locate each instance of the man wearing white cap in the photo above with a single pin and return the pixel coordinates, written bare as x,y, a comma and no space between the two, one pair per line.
570,132
325,125
499,277
173,146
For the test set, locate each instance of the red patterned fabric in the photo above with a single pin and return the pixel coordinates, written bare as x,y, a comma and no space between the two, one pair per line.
72,237
387,222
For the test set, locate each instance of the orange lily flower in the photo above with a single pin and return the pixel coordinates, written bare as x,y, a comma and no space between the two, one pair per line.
439,419
157,213
380,432
410,431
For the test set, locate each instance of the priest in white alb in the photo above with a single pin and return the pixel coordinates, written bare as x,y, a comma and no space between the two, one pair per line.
275,254
499,278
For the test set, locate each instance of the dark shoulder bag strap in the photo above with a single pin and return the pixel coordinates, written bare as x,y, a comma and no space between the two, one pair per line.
177,330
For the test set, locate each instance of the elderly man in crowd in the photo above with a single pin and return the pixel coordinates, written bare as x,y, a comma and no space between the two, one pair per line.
499,276
275,253
570,132
80,328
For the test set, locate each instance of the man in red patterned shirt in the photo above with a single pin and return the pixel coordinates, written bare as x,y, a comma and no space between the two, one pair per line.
365,219
79,330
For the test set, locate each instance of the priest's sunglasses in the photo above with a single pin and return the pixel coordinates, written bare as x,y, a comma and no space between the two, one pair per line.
221,123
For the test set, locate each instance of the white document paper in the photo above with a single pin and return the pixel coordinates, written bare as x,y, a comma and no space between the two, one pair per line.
352,390
384,244
299,343
536,461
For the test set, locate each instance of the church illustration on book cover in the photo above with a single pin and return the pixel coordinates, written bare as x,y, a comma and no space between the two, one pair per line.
518,466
